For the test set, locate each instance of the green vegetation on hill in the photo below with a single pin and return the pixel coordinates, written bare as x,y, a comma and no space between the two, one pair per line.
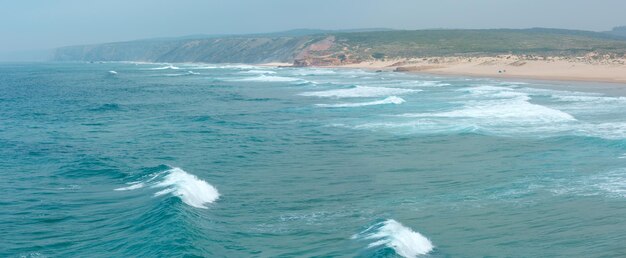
350,46
477,42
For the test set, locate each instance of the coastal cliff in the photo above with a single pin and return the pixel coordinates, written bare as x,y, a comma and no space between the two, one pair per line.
213,50
324,48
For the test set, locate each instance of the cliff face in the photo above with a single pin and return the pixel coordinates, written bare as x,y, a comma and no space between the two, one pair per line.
214,50
333,48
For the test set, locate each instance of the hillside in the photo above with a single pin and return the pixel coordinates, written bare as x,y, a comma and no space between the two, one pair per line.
311,47
618,31
212,50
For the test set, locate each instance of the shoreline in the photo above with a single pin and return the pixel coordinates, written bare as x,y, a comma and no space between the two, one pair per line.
581,69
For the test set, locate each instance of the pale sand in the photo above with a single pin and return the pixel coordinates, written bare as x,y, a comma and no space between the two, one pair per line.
544,68
589,68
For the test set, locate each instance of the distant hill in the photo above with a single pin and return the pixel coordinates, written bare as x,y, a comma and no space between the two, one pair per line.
618,31
331,47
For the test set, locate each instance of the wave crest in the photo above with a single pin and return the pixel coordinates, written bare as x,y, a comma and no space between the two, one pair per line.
267,78
391,234
190,189
359,92
168,67
388,100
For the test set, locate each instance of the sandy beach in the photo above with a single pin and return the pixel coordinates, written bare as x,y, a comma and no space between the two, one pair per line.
586,69
589,68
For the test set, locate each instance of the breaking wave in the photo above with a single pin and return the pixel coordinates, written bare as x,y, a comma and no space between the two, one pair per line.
190,189
430,84
167,67
258,72
588,98
307,72
181,74
514,111
391,234
388,100
266,78
359,92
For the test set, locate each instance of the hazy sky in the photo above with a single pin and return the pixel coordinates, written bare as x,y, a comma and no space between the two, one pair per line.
39,24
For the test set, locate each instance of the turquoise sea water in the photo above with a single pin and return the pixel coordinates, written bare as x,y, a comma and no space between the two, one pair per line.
157,160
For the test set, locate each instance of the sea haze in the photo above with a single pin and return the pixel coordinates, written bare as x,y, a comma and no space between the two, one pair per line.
144,159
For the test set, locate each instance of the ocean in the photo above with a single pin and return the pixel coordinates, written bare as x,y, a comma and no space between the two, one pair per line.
200,160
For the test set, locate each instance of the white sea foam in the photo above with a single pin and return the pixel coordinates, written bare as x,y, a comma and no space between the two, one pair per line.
391,234
180,74
359,92
406,83
611,131
305,72
258,72
430,83
112,72
132,186
204,67
590,98
240,67
167,67
388,100
266,78
420,125
489,109
190,189
513,83
512,111
494,92
610,184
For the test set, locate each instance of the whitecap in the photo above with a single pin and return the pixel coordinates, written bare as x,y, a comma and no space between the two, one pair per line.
190,189
498,116
258,72
112,72
179,74
511,111
589,98
430,84
391,234
204,67
307,72
610,131
240,67
494,92
388,100
359,92
267,78
171,67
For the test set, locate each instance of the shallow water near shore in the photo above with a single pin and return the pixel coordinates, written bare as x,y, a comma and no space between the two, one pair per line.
246,161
